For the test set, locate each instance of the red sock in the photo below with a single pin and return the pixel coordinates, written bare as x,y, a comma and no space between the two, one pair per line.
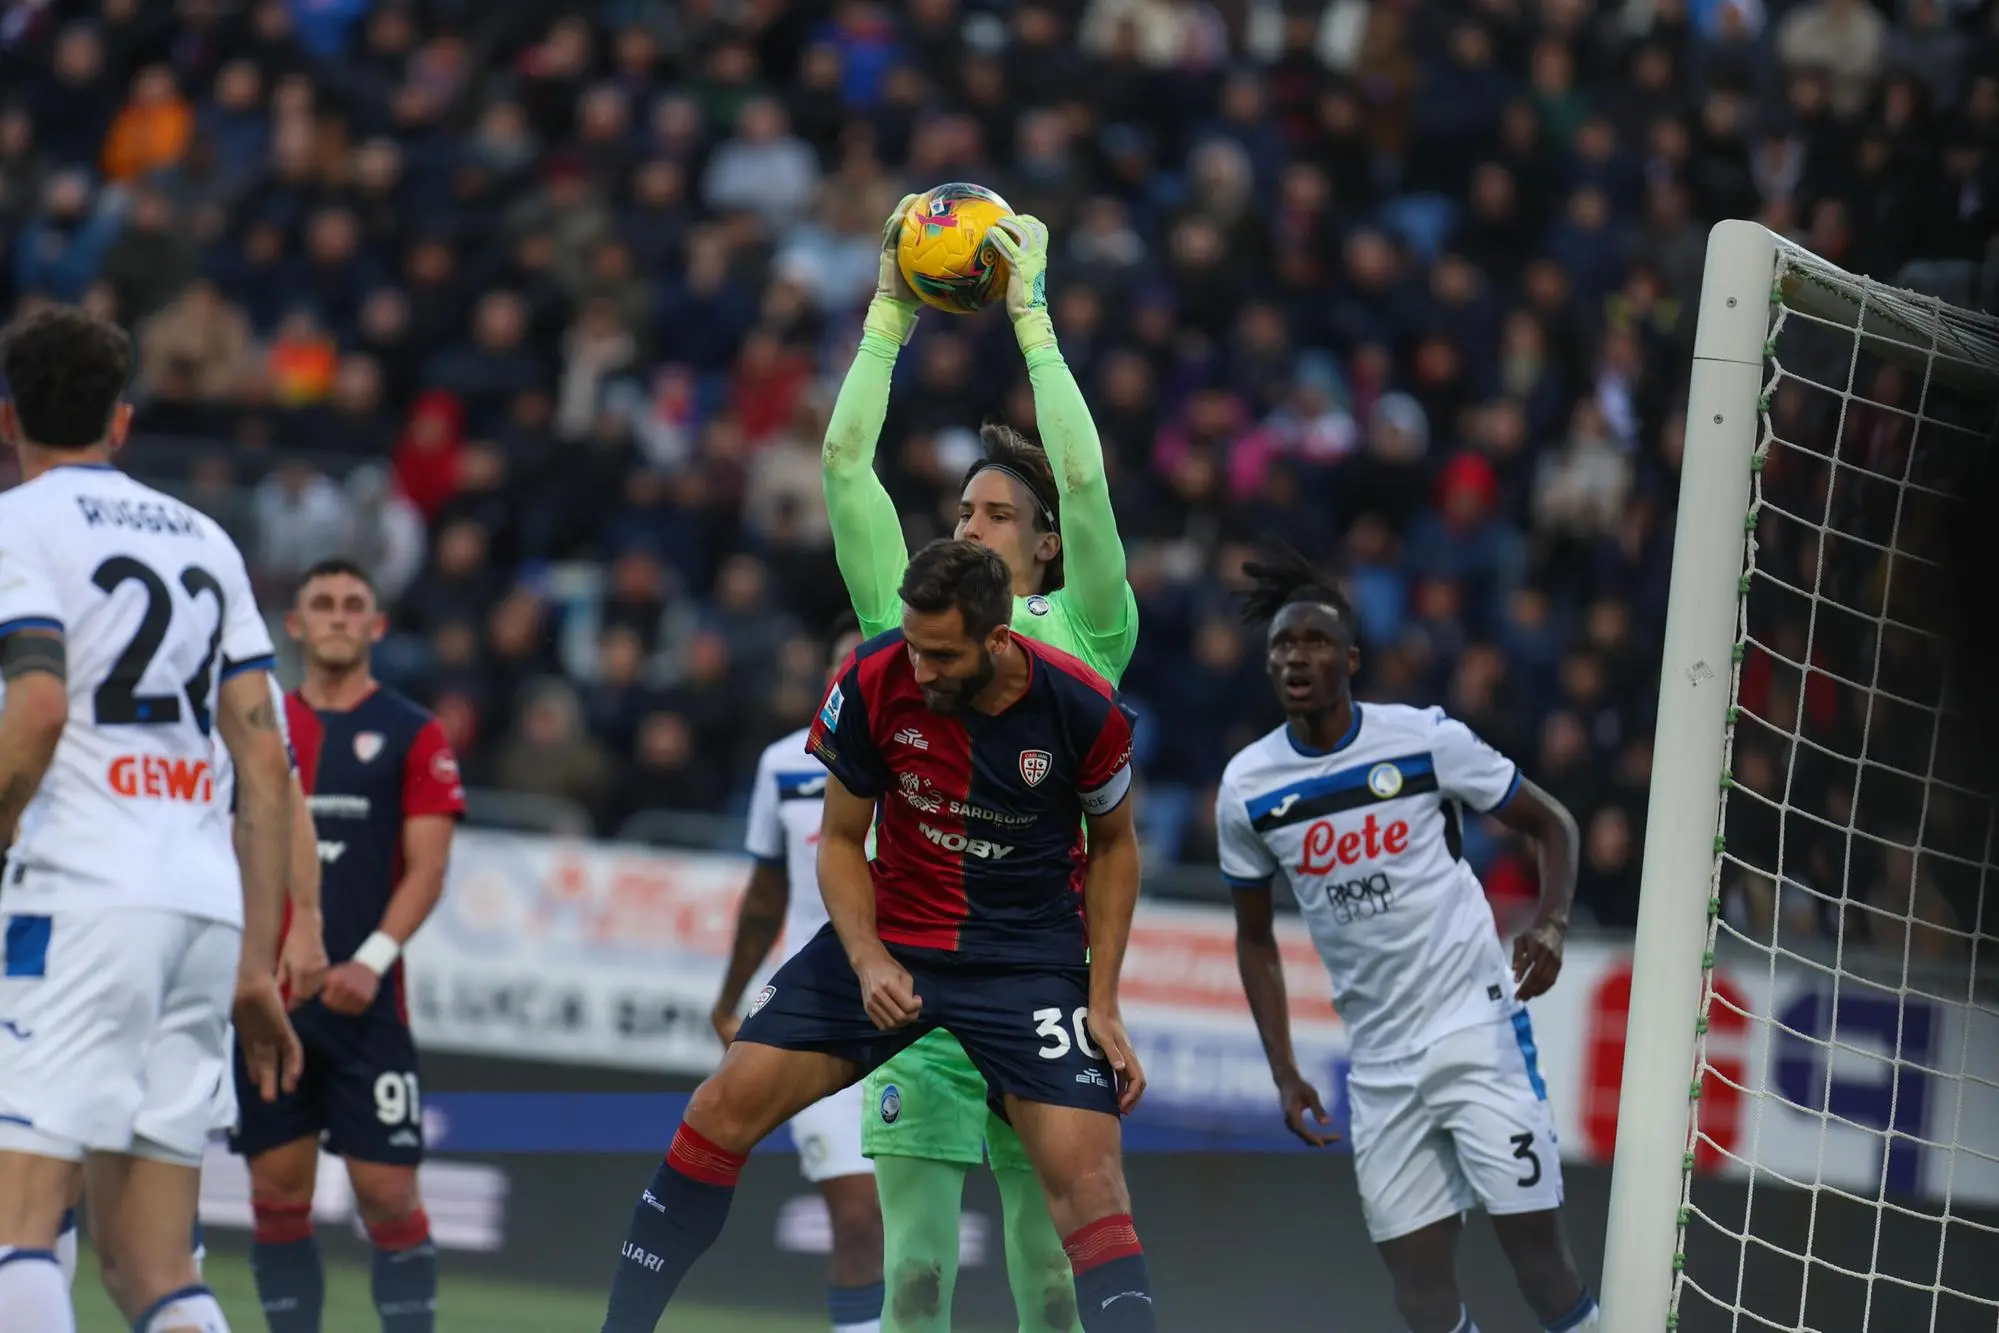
404,1233
698,1159
282,1223
1100,1242
1113,1288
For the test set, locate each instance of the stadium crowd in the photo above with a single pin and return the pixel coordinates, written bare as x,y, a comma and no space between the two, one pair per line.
539,308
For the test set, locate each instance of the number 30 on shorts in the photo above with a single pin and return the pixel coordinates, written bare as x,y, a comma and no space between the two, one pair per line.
396,1099
1048,1026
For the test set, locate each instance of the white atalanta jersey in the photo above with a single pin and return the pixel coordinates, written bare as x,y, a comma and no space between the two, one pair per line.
784,826
155,609
1365,832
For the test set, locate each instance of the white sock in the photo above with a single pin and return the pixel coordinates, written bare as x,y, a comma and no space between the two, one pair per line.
34,1298
189,1310
871,1326
66,1253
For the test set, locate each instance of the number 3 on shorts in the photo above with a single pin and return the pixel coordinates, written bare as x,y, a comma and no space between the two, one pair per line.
1523,1148
1048,1025
396,1099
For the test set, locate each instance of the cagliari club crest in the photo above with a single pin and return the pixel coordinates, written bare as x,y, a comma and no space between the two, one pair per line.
367,745
1035,766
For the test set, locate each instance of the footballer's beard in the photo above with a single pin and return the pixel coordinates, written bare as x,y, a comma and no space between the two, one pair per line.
338,655
958,694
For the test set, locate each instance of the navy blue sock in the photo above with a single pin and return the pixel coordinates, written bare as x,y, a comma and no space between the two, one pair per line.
1113,1287
404,1280
673,1224
291,1283
856,1307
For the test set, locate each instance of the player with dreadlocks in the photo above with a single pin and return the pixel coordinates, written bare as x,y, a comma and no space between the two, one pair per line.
1358,807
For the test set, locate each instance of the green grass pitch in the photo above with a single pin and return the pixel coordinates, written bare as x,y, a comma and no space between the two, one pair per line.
465,1305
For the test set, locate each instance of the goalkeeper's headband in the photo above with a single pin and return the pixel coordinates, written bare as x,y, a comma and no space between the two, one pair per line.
1041,503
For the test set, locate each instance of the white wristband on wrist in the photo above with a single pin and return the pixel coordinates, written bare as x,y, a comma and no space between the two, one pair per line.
378,953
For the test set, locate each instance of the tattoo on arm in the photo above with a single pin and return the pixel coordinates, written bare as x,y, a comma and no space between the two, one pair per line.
261,717
26,652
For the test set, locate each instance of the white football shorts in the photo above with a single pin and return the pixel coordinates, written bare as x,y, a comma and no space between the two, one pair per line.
828,1135
114,1033
1465,1122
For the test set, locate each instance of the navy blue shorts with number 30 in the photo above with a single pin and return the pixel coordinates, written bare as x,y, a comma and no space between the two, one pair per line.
1025,1027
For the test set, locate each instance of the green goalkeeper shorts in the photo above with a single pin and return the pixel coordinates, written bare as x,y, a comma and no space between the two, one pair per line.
930,1103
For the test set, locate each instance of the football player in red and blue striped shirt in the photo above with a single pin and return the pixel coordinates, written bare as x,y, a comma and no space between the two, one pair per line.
981,759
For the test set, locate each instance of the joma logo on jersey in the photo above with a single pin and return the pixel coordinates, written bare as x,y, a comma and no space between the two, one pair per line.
329,852
958,842
1327,848
160,779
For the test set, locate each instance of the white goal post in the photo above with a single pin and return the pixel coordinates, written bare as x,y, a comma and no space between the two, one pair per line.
1810,1013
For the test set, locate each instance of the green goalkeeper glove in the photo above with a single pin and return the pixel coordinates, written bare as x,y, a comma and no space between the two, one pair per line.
893,311
1023,240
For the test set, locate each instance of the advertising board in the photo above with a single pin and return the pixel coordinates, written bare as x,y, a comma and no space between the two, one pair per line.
583,953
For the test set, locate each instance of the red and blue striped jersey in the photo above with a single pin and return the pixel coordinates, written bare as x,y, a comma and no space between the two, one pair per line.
979,818
365,772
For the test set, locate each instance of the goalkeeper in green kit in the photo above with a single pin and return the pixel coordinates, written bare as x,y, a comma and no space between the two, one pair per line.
1048,514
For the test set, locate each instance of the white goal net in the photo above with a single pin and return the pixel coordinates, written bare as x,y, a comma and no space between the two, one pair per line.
1809,1124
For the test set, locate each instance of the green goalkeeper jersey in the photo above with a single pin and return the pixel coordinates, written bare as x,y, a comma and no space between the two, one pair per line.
929,1102
1094,616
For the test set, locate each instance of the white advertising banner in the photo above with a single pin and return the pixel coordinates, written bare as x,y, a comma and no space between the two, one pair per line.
604,954
575,952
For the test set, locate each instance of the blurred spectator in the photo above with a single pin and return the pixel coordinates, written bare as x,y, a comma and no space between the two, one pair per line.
21,167
152,259
551,754
1847,39
666,773
60,248
152,130
202,332
302,516
303,361
74,104
762,169
427,456
388,535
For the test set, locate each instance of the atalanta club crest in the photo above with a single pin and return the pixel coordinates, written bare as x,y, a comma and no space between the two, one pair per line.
1035,766
367,745
891,1104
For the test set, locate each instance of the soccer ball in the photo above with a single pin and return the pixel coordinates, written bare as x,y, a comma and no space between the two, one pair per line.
943,252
